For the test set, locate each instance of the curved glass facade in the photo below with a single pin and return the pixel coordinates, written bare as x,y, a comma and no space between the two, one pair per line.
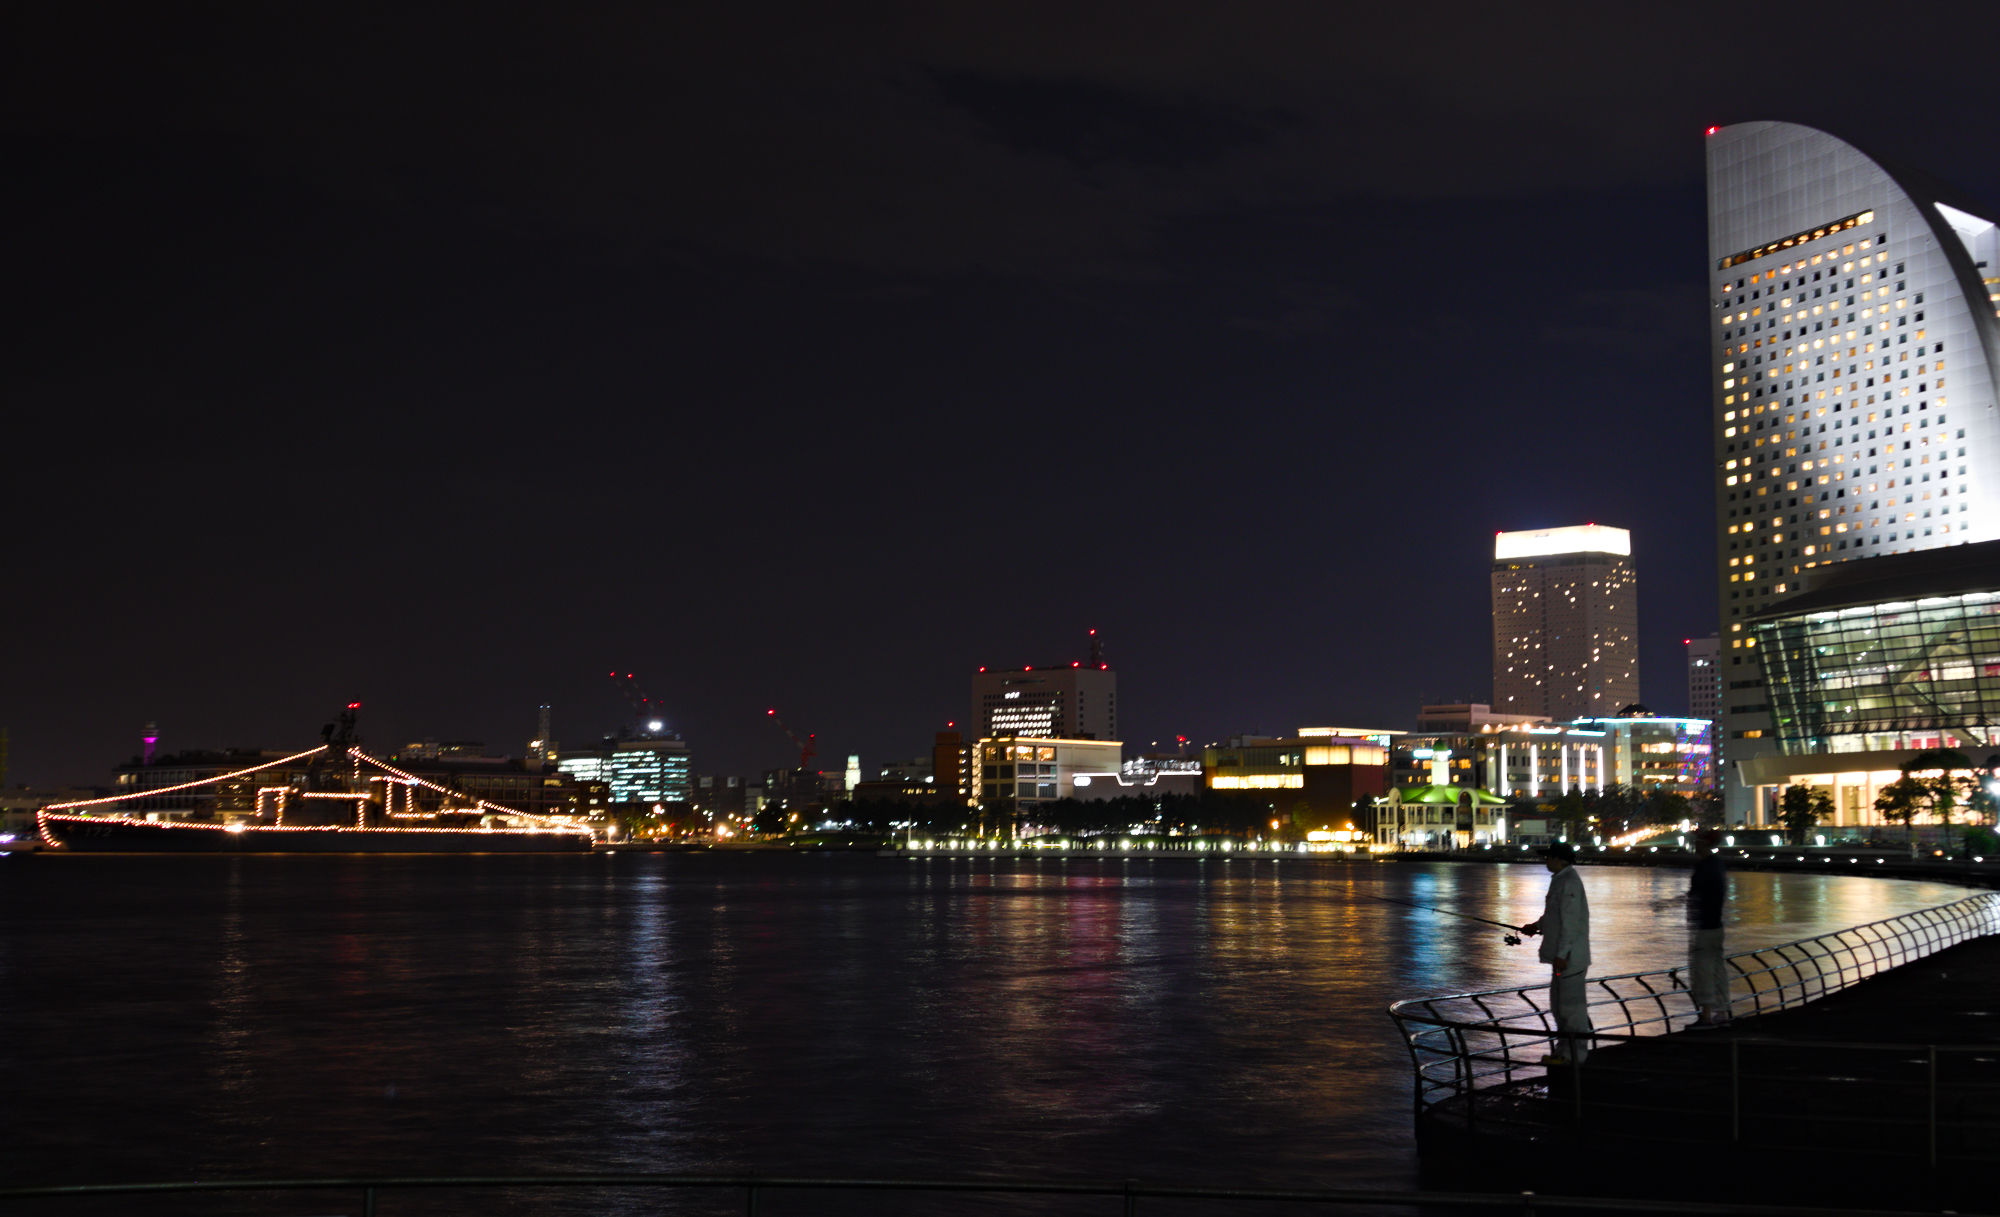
1904,674
1855,355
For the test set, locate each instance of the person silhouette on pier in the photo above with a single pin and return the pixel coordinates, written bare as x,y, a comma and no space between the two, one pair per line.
1565,929
1708,888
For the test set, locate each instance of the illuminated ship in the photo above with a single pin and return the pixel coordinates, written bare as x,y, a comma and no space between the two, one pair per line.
331,799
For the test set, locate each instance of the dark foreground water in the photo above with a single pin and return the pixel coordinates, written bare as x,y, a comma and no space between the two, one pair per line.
1202,1022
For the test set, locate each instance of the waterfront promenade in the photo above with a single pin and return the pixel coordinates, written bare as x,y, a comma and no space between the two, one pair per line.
1884,1093
1886,862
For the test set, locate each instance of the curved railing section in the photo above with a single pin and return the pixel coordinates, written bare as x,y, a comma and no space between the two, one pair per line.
1467,1044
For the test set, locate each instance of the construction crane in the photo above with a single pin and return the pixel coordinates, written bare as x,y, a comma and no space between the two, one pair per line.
806,748
649,717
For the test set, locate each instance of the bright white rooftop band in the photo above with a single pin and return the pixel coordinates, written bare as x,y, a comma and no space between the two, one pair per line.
1577,539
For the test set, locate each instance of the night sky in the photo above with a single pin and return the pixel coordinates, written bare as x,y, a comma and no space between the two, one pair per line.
811,356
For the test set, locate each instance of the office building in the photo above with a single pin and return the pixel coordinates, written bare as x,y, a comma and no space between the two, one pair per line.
1704,676
951,767
646,770
1016,774
1565,622
1074,700
1854,336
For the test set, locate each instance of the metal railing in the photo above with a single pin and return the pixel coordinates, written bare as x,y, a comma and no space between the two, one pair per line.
370,1193
1479,1057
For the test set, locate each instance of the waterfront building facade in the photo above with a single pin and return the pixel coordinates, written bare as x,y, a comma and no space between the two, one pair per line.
1016,774
1874,663
1313,780
1539,760
1565,622
1643,752
1854,342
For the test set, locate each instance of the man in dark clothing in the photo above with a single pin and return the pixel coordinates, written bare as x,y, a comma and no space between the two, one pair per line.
1708,888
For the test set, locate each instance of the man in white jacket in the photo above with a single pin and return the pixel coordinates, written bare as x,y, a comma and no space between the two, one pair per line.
1565,931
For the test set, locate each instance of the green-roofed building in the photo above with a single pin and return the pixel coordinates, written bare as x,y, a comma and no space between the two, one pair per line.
1439,815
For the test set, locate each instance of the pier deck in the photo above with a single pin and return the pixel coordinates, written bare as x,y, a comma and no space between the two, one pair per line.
1884,1094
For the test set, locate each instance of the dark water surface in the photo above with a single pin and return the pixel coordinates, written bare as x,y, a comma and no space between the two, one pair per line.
1213,1022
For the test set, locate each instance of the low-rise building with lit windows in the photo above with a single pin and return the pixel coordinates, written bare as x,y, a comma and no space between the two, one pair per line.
1872,664
1015,774
1313,780
1539,760
1640,750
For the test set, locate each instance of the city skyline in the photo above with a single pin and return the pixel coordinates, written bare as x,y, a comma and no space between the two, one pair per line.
447,367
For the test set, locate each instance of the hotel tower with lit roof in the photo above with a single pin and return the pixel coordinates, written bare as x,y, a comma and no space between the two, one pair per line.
1852,314
1565,622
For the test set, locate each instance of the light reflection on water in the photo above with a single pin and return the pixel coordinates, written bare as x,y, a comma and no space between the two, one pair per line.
1208,1022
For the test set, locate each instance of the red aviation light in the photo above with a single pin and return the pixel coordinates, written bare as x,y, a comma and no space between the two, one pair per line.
354,705
982,668
1028,668
1711,130
1075,663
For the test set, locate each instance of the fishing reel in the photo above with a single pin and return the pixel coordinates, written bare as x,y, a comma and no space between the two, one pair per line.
1512,940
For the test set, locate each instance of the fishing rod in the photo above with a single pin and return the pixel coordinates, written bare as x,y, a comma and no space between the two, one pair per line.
1512,940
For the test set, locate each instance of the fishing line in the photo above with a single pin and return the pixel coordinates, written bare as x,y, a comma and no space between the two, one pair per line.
1510,939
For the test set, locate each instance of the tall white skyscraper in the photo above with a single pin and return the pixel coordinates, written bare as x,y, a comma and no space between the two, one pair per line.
1852,314
1565,622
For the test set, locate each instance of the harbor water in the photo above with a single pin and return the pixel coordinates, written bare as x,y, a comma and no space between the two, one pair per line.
1203,1020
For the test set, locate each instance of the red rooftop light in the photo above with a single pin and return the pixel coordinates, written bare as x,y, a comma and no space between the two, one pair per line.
1712,130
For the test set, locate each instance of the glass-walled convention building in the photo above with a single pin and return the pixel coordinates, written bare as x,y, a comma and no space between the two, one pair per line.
1878,661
